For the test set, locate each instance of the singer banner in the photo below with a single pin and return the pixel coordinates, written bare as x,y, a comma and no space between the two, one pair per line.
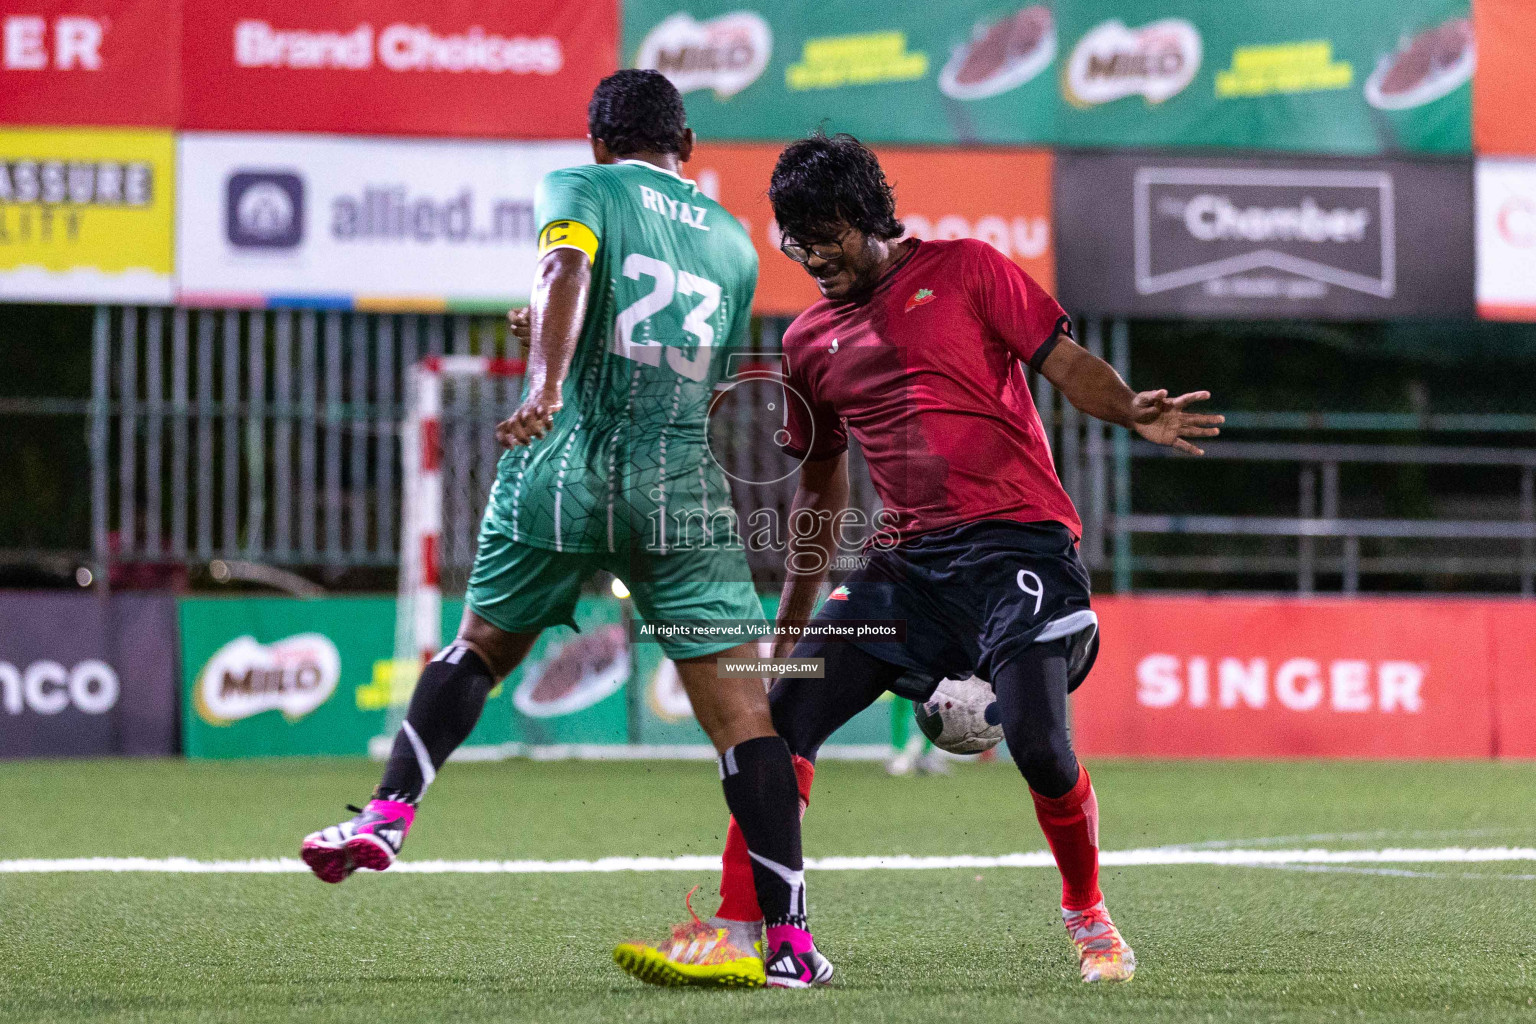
1276,677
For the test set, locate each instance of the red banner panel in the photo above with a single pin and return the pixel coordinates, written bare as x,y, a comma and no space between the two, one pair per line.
1505,79
503,68
1241,677
1514,678
89,62
1000,196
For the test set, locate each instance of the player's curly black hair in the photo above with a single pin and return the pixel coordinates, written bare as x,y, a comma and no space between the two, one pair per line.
825,179
637,111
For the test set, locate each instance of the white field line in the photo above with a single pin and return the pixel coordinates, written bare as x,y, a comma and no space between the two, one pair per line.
1345,869
1155,857
1378,835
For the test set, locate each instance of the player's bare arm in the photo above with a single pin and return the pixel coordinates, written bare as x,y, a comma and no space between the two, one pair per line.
1093,386
823,490
553,322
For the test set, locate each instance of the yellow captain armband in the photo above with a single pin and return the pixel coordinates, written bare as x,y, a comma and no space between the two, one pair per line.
568,234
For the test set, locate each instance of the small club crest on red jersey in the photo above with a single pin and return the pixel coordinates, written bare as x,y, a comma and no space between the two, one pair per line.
840,594
919,297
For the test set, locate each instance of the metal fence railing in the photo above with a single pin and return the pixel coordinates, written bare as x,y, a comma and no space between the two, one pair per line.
268,436
271,437
1513,542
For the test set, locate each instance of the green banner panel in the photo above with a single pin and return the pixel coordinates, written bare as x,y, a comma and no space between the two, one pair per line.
279,676
573,686
273,677
1355,78
1364,78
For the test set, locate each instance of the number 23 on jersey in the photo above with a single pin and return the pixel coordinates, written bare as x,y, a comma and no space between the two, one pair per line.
668,283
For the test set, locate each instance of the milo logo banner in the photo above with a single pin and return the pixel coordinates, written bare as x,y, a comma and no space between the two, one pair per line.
1367,77
285,677
275,677
279,676
1371,77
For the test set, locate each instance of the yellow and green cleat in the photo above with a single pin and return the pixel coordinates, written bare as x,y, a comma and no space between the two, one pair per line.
695,954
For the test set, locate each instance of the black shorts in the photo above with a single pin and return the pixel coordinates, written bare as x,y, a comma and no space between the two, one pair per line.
972,598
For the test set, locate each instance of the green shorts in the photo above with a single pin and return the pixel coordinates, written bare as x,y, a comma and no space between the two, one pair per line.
522,589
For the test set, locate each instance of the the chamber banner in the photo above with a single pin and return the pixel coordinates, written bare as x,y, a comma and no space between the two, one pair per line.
1210,237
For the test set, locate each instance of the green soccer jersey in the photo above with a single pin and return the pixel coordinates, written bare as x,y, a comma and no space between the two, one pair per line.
627,462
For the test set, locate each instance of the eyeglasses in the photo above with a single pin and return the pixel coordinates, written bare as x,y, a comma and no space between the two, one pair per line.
801,253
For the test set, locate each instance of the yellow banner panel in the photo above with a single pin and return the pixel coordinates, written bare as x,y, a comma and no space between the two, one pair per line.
86,215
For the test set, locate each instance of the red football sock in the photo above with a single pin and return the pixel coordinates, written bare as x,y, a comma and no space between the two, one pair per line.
1071,827
738,892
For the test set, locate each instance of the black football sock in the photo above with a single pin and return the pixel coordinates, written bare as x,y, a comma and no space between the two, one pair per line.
759,780
444,709
1032,699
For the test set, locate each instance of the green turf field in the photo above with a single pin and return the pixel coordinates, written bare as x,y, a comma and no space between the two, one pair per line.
1446,942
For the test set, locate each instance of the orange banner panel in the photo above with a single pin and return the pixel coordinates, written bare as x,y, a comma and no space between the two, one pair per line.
1241,677
1505,79
1000,196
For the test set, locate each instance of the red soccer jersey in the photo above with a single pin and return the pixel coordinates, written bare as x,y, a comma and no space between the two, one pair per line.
926,373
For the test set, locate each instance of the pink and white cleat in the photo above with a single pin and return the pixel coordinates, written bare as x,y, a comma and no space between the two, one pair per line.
791,959
1102,953
371,840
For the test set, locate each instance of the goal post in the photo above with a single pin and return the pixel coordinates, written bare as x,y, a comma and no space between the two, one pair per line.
448,461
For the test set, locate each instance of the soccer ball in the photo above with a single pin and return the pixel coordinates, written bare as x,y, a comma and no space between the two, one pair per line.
961,716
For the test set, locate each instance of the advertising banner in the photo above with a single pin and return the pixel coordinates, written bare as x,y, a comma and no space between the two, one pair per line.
278,676
89,62
1347,78
1279,238
1513,629
272,677
360,223
85,215
1000,196
1250,677
86,676
504,68
961,72
1505,79
1341,78
1506,239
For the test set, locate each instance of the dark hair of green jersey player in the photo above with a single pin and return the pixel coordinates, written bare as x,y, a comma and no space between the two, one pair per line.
634,115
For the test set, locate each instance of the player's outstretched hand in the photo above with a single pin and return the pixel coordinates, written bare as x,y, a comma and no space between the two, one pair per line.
1163,420
530,422
517,324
